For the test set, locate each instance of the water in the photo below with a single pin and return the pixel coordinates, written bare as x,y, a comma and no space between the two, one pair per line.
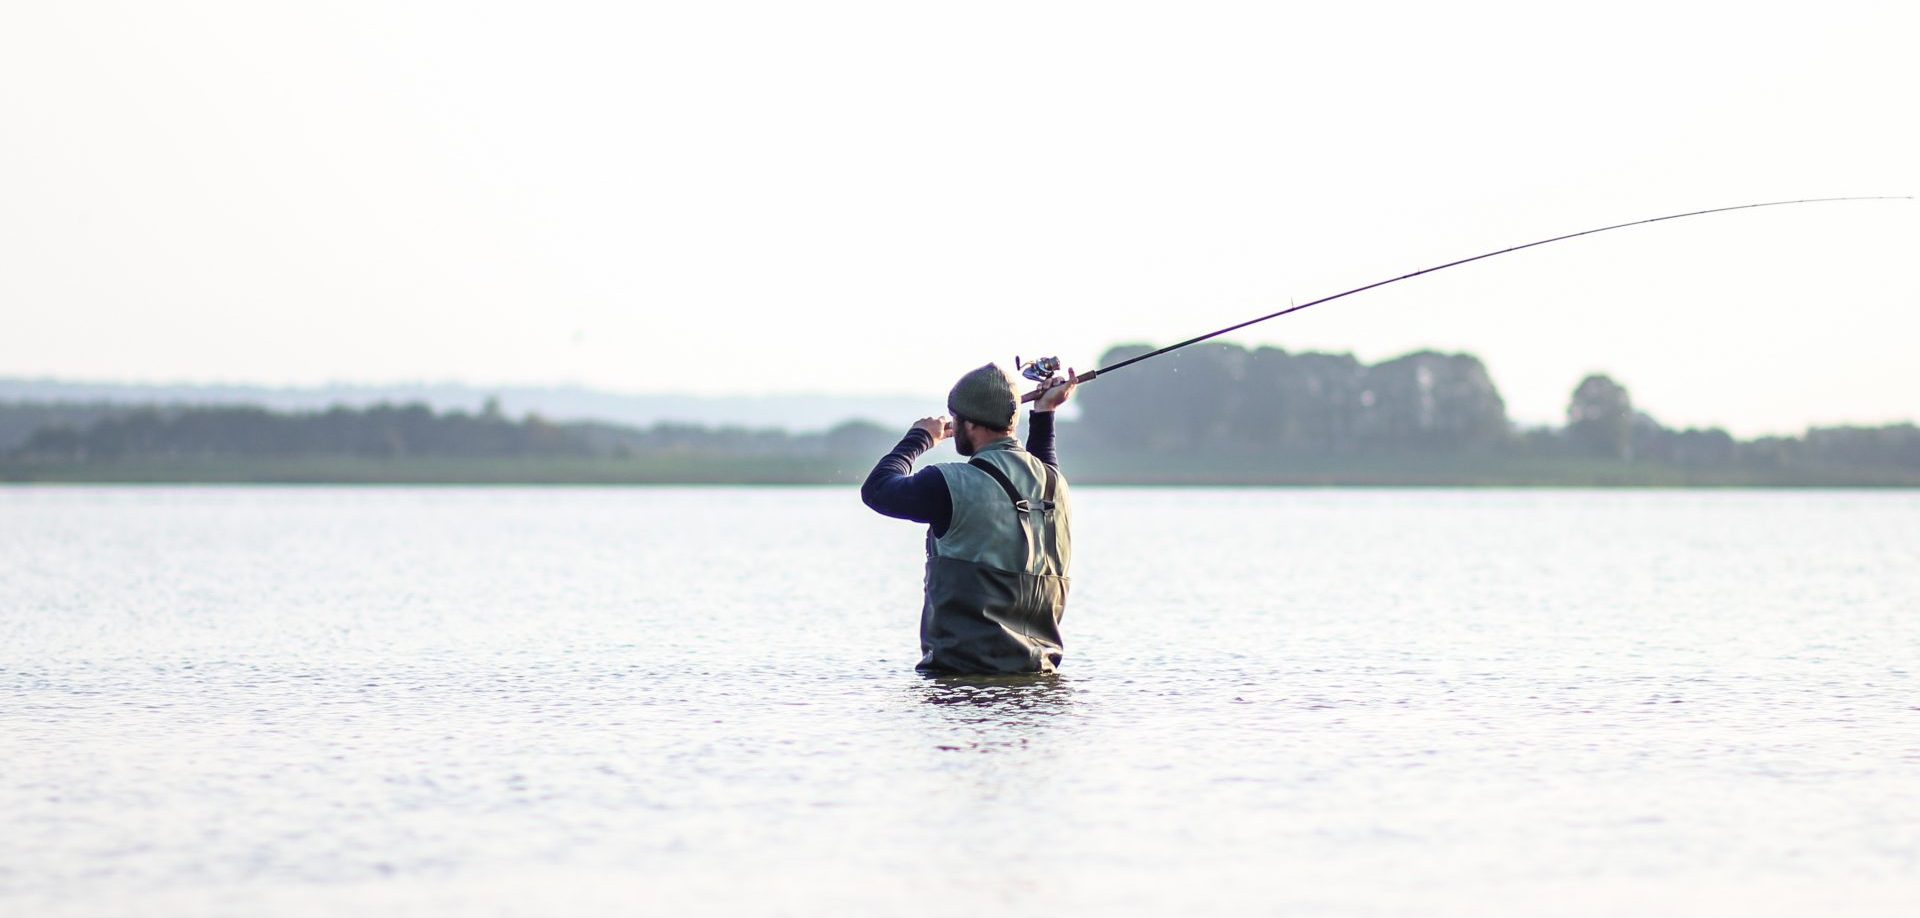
534,701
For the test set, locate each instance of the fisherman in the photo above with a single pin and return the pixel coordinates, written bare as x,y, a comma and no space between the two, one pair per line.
998,538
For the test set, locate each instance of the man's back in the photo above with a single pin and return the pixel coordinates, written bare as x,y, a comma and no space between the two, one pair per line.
996,583
999,530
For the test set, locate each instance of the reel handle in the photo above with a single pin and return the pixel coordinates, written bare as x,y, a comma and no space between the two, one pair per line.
1035,395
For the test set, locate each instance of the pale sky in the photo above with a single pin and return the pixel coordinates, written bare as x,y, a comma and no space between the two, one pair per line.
735,198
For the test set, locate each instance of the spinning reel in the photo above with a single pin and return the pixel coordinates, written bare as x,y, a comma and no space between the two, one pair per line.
1040,370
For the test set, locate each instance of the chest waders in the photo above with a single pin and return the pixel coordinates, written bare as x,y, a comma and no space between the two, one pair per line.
997,580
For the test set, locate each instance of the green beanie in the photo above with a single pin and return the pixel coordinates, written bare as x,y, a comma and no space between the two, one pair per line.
985,396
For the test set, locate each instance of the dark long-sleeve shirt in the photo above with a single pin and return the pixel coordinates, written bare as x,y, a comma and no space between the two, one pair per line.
894,489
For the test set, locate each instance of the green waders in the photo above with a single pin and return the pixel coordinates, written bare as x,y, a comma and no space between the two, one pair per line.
997,580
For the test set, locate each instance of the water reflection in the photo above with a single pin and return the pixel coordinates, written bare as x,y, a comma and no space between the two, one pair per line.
983,713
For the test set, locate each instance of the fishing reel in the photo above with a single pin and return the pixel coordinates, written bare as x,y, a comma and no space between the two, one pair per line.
1039,370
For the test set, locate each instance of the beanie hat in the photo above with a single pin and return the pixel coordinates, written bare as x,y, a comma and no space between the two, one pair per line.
985,396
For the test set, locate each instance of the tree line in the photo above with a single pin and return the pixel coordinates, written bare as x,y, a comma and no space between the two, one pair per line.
388,431
1224,397
1265,405
1268,402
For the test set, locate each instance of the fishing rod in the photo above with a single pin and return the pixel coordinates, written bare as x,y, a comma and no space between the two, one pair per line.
1045,369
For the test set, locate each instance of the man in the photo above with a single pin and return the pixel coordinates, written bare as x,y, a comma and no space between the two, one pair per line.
998,528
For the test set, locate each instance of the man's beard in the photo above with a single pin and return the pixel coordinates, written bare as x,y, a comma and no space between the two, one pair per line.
962,443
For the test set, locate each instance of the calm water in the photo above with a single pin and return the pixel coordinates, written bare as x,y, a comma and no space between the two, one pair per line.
240,701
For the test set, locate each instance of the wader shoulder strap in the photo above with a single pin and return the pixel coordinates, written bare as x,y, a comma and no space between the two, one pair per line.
1019,503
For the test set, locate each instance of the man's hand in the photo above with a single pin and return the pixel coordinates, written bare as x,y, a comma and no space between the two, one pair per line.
937,428
1055,392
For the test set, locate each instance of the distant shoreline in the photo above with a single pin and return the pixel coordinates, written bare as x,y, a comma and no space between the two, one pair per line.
1214,416
1373,472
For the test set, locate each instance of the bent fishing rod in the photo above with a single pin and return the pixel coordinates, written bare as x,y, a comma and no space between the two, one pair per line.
1045,369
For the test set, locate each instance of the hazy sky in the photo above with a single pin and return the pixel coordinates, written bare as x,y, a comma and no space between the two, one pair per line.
745,198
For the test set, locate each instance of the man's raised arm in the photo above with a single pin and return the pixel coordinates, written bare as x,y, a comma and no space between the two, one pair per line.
894,489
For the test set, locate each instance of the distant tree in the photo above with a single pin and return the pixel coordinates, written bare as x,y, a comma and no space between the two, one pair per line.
1895,445
1267,415
19,420
1106,415
1170,404
1650,441
1771,452
1300,404
1541,441
1704,448
859,438
1331,392
1429,400
1600,418
378,431
1222,397
1693,447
